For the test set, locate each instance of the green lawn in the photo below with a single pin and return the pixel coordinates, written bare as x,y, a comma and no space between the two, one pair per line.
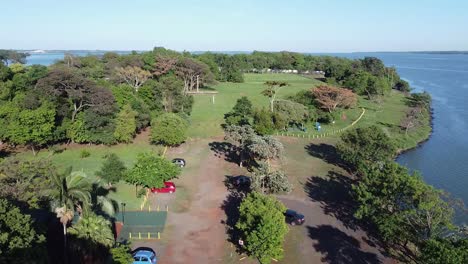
70,157
207,117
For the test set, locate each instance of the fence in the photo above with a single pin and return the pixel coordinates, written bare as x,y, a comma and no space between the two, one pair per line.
322,135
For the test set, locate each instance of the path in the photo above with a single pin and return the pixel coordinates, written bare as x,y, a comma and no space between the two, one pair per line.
328,240
197,235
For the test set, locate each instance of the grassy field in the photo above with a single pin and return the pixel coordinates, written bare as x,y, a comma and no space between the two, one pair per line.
207,117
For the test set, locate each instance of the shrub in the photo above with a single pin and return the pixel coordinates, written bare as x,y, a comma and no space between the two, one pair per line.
84,153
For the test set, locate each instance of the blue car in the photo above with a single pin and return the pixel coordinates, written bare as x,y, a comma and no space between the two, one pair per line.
144,257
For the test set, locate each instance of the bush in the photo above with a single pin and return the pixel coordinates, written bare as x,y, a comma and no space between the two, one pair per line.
84,153
168,129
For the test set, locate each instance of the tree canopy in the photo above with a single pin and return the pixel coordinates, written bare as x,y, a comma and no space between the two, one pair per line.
151,171
169,129
261,223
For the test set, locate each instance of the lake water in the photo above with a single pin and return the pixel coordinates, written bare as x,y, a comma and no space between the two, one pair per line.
443,160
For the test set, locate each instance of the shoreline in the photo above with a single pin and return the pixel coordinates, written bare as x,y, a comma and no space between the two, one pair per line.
424,140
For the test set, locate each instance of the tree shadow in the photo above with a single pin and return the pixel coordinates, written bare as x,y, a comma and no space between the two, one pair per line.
334,195
327,153
338,247
226,150
230,206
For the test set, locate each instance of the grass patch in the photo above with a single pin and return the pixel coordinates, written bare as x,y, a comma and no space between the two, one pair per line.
207,117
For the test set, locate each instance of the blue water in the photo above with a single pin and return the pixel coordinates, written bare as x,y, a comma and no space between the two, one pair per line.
443,160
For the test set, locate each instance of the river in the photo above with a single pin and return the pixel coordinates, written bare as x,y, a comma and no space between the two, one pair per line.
443,159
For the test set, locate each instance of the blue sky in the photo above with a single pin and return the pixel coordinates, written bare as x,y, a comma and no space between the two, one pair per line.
296,25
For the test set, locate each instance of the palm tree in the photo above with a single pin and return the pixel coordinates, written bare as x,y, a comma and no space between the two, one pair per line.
92,236
94,229
72,190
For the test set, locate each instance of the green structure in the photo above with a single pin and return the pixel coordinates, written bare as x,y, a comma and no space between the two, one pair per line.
131,225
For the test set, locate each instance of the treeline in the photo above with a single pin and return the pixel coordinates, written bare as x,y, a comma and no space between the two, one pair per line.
94,99
368,76
410,216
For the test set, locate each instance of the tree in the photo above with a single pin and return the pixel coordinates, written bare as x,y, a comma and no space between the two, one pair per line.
291,112
402,86
121,254
92,236
265,148
263,122
270,182
402,206
19,241
272,91
26,180
329,97
7,56
367,146
262,226
411,119
239,136
125,126
68,86
95,229
112,170
133,76
374,66
169,129
33,127
241,113
151,171
71,190
447,251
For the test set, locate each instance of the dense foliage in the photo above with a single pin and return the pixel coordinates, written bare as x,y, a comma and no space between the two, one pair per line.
261,223
19,241
151,171
169,129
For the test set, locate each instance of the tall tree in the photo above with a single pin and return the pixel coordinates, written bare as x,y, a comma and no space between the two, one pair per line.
112,170
329,97
125,126
32,127
169,129
367,146
68,86
272,91
270,182
262,226
239,136
133,76
265,148
241,112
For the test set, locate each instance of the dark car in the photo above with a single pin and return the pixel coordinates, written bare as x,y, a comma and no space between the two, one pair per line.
293,217
179,162
241,181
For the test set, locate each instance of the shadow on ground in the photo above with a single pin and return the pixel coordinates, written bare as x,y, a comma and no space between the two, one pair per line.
338,247
231,208
327,153
225,150
334,195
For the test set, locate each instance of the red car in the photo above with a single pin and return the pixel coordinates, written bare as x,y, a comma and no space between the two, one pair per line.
169,187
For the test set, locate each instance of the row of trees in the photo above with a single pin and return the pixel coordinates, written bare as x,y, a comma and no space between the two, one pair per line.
405,210
91,99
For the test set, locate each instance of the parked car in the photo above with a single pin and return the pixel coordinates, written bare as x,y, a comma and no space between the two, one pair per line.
293,217
179,162
241,181
169,187
144,257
